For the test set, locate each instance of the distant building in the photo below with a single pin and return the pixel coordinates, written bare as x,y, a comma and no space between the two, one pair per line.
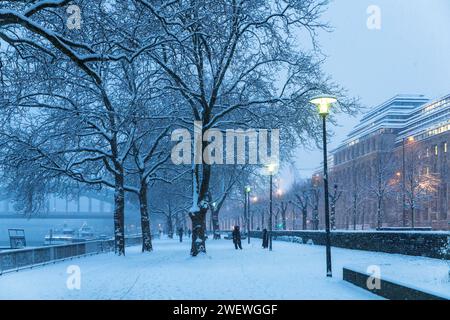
399,150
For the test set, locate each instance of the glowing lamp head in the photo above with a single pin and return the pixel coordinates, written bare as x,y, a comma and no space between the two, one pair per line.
248,189
323,103
271,168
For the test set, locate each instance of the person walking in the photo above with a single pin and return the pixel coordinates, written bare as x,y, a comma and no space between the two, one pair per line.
237,238
265,239
180,233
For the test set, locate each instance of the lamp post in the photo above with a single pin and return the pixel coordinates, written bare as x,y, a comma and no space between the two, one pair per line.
212,220
248,189
405,141
323,104
271,168
403,183
254,200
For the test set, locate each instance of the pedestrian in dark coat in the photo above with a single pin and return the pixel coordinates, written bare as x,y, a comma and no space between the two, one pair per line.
265,239
180,234
237,238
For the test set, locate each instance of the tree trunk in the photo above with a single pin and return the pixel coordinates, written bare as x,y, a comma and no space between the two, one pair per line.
145,219
333,216
283,219
119,214
362,219
215,224
200,200
294,220
316,218
262,220
169,225
379,218
304,218
198,231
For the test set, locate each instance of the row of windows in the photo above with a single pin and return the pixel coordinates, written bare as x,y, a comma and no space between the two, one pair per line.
358,149
431,166
436,148
369,145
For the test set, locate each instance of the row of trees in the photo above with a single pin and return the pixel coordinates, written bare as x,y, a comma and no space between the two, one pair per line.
93,107
404,178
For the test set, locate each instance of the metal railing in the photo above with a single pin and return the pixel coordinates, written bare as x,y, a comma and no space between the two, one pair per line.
15,260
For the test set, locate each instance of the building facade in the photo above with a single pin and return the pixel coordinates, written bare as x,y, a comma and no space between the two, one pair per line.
393,169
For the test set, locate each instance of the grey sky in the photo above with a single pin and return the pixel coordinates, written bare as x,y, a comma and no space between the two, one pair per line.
410,54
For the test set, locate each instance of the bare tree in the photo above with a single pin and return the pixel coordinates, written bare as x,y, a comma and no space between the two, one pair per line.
301,200
224,180
75,99
90,93
314,198
220,58
334,198
281,212
420,182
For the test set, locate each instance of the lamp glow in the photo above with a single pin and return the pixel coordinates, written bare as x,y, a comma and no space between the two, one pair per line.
271,168
323,103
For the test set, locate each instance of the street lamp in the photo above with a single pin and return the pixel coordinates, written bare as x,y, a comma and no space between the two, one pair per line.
271,168
248,189
254,200
279,192
211,220
408,140
323,103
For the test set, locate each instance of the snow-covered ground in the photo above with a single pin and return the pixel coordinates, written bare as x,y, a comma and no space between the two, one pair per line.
291,271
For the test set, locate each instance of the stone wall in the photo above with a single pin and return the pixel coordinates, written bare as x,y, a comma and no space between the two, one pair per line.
427,244
14,260
389,289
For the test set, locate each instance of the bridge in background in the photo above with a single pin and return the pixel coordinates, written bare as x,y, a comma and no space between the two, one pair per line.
58,215
86,205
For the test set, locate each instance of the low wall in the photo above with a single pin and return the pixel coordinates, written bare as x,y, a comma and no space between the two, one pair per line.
13,260
389,289
427,244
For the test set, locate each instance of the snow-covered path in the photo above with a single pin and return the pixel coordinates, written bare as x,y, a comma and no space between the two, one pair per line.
291,271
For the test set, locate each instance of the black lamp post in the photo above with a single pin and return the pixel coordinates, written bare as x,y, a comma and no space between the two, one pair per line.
248,189
271,169
323,104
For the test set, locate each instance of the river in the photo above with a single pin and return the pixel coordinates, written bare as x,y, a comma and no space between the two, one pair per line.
36,229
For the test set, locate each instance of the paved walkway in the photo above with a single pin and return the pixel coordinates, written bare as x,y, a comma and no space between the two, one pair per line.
291,271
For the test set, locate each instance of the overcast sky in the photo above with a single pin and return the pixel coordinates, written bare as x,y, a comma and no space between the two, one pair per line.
409,54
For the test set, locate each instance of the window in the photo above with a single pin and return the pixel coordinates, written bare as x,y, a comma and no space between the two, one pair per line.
436,150
445,147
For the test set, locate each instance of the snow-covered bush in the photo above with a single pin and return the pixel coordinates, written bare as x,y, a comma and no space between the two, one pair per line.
298,239
290,239
310,242
284,238
445,254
